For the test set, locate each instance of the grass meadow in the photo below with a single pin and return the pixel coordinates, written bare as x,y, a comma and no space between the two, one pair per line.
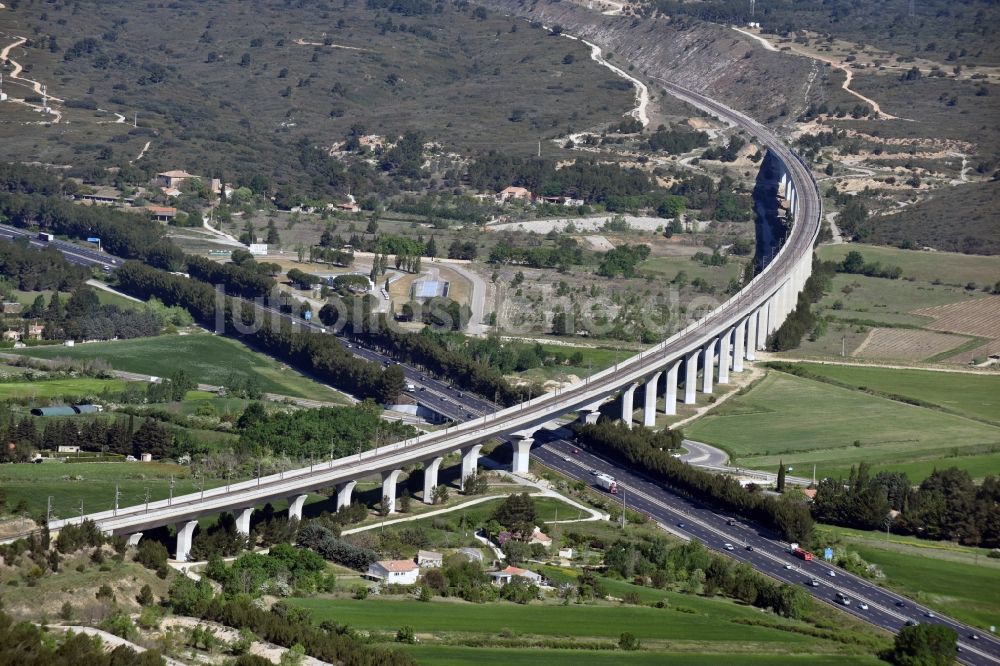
60,388
803,422
208,359
92,484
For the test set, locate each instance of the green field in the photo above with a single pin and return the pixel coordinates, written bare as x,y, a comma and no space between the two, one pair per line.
208,359
58,388
952,579
948,267
888,301
439,655
975,395
805,422
93,484
580,621
669,266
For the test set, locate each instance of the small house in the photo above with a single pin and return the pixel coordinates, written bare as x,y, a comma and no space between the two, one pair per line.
174,178
541,537
66,448
35,331
504,576
12,307
395,572
11,334
428,559
162,213
512,192
566,553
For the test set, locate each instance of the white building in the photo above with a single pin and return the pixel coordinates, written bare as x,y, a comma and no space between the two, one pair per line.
395,572
504,576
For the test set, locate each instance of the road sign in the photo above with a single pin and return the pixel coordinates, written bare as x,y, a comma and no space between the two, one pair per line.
93,240
828,554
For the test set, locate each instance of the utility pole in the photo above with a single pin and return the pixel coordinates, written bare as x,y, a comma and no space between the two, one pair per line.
117,497
170,499
623,508
147,500
48,511
81,511
135,119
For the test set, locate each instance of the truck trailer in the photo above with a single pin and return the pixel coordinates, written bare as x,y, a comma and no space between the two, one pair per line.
607,483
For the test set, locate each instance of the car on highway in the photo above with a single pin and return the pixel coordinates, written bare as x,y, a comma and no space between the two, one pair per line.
750,548
863,606
974,637
900,604
832,573
681,525
789,566
728,546
813,582
567,459
930,614
594,472
910,622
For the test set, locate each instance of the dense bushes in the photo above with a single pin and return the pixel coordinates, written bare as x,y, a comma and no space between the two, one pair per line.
26,644
323,541
337,431
129,235
245,281
281,571
637,449
38,270
947,505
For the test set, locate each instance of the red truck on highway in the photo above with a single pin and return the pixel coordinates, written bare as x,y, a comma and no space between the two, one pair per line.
802,554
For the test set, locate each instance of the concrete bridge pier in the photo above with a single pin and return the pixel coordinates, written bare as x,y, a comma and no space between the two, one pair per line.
628,394
762,316
470,461
649,406
739,345
670,394
344,492
691,376
707,367
431,468
133,539
243,520
590,414
521,443
185,534
773,305
751,333
725,359
389,481
295,505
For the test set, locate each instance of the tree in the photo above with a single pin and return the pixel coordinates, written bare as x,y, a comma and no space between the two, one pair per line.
272,234
145,596
430,250
151,438
924,645
37,310
440,494
517,513
628,641
780,485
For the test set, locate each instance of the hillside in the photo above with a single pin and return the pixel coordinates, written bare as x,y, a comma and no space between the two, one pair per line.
219,86
705,57
956,219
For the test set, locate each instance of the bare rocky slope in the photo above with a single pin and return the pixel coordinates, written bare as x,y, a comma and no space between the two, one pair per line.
704,57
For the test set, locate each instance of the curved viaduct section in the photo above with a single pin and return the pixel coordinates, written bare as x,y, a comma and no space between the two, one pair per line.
695,357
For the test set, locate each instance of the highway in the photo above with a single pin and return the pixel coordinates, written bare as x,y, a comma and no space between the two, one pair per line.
690,519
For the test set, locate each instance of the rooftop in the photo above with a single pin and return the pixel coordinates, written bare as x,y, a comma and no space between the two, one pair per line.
397,565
